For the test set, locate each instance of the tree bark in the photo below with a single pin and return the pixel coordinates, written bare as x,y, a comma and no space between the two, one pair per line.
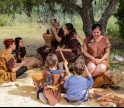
86,14
107,14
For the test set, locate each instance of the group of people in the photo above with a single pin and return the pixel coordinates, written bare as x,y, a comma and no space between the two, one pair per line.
13,60
55,77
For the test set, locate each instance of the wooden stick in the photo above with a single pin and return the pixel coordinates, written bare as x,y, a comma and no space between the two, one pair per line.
6,86
61,54
87,71
86,68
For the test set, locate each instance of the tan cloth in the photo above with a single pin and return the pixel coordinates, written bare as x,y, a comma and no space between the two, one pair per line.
53,96
5,74
97,49
102,79
37,79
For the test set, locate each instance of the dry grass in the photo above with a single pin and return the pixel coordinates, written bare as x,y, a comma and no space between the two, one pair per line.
31,34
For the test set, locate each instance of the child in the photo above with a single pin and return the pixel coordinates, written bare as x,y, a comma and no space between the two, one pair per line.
52,78
77,86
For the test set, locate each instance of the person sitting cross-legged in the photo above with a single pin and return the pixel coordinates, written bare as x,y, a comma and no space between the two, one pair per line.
77,86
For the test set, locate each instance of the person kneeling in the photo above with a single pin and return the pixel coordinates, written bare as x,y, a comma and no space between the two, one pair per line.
50,92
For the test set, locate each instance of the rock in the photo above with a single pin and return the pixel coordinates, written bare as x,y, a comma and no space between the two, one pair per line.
115,62
119,58
117,77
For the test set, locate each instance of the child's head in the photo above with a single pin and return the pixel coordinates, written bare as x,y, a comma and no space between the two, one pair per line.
51,60
78,67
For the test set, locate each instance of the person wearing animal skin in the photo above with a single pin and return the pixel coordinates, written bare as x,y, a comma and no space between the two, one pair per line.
7,62
50,91
57,40
96,52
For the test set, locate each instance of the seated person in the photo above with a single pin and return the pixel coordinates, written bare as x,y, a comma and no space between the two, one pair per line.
57,40
50,92
72,49
20,54
96,51
7,62
77,86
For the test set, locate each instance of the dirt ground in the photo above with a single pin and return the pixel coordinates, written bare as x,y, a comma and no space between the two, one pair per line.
24,95
21,93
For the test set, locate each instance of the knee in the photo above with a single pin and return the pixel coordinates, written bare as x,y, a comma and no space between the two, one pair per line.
91,67
101,68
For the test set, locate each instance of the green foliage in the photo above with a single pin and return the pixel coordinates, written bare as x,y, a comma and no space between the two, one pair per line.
3,20
120,16
99,7
112,27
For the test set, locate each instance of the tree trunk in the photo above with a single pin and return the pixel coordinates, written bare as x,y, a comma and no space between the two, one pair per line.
107,14
87,16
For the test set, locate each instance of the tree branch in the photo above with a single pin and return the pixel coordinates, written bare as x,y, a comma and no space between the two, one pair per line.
70,4
108,12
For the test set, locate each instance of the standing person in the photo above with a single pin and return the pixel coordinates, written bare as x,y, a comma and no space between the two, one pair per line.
58,40
72,49
77,86
50,92
20,54
96,53
8,71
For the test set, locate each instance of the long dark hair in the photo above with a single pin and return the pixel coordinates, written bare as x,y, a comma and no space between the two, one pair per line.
17,39
71,28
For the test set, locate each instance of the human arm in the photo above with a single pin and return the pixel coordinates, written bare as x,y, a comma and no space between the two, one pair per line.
107,51
87,54
14,69
66,68
67,50
89,79
55,34
66,83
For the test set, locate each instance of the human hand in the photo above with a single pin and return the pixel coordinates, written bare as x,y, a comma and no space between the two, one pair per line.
65,63
53,29
22,63
88,73
66,77
93,59
57,48
97,61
